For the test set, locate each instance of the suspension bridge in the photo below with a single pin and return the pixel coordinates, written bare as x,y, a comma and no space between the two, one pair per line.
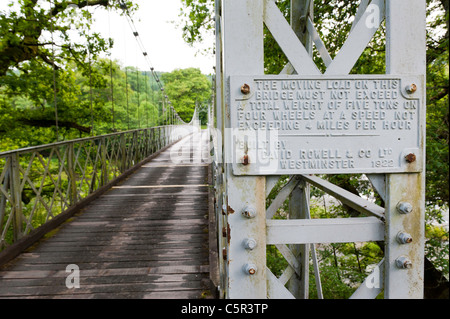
178,212
143,237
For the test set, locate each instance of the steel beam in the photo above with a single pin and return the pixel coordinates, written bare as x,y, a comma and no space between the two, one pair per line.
242,54
406,54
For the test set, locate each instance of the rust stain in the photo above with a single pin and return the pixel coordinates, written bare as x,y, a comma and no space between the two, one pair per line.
228,233
245,160
410,158
245,89
230,210
411,88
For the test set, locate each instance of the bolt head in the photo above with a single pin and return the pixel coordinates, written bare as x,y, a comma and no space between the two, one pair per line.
411,88
250,243
249,212
250,269
245,89
410,158
404,238
404,208
403,262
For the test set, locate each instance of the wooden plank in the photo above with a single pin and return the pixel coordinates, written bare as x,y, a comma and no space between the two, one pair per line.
24,265
103,278
103,288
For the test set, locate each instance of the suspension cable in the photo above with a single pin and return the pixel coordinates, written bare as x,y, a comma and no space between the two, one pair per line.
55,95
111,73
142,48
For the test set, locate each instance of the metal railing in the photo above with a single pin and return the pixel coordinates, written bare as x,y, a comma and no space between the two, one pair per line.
38,183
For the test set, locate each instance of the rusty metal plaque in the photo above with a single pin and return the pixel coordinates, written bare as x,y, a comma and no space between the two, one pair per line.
326,125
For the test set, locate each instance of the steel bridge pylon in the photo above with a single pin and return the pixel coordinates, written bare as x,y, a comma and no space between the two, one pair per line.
249,108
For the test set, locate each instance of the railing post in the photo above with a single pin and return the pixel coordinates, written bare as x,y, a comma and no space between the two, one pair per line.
16,196
3,198
73,194
104,166
147,142
123,151
135,147
152,140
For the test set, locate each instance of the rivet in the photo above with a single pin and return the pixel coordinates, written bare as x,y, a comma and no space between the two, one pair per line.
411,88
245,89
403,262
404,208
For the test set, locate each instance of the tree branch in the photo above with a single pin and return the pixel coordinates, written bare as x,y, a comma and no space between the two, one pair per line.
62,6
50,123
440,95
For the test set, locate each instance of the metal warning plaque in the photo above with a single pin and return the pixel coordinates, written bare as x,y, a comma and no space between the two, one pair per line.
326,125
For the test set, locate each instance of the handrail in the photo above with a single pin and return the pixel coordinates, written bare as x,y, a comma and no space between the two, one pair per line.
44,146
38,183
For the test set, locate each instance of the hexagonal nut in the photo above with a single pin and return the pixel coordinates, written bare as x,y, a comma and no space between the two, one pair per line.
250,244
249,212
250,269
403,262
404,238
411,88
404,208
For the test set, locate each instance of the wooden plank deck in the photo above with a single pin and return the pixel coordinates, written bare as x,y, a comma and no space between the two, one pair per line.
145,238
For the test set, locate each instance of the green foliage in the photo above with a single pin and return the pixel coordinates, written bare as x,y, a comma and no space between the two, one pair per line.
55,87
43,32
196,18
105,99
188,88
437,237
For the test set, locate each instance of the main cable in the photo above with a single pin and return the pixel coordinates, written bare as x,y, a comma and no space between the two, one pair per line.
143,50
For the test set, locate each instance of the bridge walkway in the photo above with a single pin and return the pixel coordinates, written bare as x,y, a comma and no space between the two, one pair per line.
146,237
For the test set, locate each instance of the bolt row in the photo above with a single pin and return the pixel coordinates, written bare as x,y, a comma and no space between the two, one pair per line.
249,243
403,237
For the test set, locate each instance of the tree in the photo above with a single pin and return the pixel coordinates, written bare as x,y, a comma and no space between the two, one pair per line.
33,28
187,88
